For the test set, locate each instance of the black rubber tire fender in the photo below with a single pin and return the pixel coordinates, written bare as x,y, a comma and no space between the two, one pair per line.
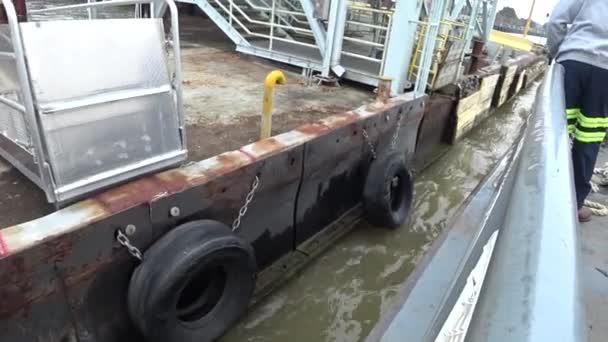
388,191
193,284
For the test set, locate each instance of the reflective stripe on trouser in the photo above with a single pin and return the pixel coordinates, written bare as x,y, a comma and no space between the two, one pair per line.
572,115
590,129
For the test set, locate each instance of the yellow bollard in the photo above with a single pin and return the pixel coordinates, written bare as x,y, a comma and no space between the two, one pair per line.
275,77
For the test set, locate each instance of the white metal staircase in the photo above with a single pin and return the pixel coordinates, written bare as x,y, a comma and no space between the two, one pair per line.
290,31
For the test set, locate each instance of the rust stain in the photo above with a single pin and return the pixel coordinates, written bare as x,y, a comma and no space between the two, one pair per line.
15,287
17,292
226,162
377,107
340,120
58,249
173,181
129,195
265,147
313,129
88,272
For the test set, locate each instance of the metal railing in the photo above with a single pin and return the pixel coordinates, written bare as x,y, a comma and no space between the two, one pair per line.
368,32
237,15
532,291
449,31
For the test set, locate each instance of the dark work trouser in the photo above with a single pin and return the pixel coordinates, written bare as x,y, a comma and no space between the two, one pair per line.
586,89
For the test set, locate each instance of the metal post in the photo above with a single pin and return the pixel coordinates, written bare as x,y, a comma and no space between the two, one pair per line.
386,42
272,14
384,89
458,6
315,26
428,51
399,48
489,16
92,12
273,78
529,21
160,6
470,30
28,101
231,9
335,35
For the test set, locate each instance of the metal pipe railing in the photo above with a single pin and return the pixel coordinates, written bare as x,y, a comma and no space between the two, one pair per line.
25,86
531,291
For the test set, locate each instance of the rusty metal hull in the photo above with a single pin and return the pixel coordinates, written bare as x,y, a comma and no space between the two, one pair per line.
435,130
64,278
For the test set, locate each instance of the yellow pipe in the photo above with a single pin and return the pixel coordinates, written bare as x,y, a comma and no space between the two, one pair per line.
529,22
273,78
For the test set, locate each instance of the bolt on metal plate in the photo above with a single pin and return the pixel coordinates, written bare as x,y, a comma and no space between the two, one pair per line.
130,229
174,211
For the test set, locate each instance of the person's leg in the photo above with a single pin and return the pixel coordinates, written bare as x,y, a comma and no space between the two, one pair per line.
574,77
590,130
584,156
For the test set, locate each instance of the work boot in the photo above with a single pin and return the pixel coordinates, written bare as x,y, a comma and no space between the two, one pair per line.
584,214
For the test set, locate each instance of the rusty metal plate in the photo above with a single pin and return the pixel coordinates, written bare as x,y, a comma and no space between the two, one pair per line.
336,165
437,128
448,69
68,264
268,223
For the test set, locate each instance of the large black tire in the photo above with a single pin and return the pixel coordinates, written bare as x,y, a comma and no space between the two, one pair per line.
193,284
388,192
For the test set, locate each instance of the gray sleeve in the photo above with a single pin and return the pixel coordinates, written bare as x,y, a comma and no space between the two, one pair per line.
557,27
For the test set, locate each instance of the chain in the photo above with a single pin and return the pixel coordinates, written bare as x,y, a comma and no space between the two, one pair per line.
393,140
370,144
124,241
396,134
248,199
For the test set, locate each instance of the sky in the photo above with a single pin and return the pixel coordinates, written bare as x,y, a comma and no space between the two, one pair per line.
522,7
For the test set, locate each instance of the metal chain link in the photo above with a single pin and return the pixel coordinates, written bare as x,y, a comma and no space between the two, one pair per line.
248,199
393,140
125,242
372,149
396,134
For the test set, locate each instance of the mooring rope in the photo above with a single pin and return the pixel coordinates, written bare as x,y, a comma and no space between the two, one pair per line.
598,209
600,175
600,178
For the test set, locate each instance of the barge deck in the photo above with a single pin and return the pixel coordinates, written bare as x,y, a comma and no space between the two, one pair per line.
222,93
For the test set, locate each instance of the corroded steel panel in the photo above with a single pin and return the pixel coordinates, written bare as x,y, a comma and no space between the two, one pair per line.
64,276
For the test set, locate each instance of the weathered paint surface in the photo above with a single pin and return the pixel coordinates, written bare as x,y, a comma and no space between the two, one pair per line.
474,108
506,79
63,277
435,130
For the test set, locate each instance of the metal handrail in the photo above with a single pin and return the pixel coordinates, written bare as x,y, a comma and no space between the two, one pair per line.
269,24
113,3
531,291
27,94
256,34
373,44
